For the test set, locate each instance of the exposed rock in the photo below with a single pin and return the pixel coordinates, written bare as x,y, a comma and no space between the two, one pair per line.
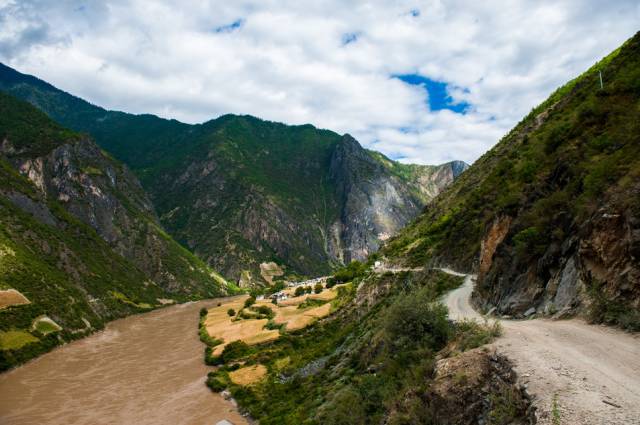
475,387
490,242
270,270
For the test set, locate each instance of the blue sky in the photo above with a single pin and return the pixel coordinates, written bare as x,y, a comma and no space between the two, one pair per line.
437,92
423,81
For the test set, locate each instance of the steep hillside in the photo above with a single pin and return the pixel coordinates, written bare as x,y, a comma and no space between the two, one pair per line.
240,191
79,241
550,217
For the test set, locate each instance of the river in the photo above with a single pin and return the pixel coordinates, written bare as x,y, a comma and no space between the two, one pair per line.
143,369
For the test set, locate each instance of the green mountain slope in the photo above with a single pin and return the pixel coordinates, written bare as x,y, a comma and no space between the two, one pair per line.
550,217
78,239
240,191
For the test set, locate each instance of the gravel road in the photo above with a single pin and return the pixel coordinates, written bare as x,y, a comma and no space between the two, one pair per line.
590,373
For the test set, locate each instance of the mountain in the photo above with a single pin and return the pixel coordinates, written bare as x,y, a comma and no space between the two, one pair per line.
80,243
550,217
243,193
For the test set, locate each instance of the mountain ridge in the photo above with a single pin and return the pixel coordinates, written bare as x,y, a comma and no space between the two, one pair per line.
240,191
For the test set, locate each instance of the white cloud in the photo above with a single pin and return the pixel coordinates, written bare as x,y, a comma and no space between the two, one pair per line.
287,62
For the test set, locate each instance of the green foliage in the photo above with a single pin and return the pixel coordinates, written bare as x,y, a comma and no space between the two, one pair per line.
249,302
203,312
310,302
318,288
351,271
471,334
235,350
215,384
605,309
231,312
299,291
15,339
414,319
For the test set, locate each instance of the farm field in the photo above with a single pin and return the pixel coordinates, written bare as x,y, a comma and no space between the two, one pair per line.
251,329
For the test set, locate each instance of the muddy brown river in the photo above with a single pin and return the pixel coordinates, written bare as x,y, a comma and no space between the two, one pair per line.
144,369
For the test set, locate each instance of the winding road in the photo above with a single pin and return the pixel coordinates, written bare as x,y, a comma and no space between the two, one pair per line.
591,373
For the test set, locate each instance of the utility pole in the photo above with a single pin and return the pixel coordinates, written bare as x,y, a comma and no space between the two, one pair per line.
601,85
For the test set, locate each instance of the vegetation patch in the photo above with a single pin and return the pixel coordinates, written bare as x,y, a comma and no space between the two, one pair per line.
15,339
45,325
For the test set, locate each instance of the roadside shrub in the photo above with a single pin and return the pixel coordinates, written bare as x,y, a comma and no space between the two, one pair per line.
231,312
249,302
299,291
471,334
203,312
415,320
308,289
318,288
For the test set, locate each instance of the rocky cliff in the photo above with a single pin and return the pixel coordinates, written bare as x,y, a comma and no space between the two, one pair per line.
550,217
79,238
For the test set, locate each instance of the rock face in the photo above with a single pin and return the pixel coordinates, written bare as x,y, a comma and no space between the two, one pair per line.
240,191
375,204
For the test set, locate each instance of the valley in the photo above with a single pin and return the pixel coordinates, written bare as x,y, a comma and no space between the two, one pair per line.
228,269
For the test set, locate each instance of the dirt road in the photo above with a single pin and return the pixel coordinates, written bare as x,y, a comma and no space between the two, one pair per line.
590,373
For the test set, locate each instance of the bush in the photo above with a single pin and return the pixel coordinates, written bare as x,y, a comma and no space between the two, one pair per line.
415,320
249,302
235,350
265,312
318,288
299,291
231,312
470,334
215,383
203,312
308,289
345,407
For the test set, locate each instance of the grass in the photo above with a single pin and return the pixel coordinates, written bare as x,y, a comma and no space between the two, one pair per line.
45,325
14,340
555,410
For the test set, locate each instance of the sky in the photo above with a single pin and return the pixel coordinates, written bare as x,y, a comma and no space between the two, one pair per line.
421,81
